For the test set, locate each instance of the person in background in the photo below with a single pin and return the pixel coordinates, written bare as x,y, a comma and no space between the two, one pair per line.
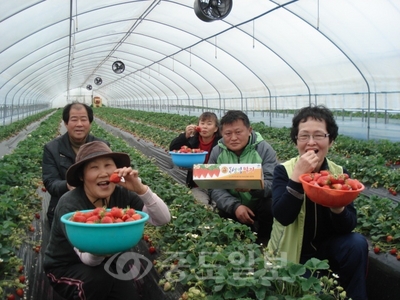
59,154
241,145
205,138
303,229
81,275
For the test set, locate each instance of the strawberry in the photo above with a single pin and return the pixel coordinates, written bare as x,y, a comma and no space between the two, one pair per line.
136,216
324,173
377,249
393,251
197,150
323,180
20,269
315,176
167,286
22,278
93,219
398,256
106,219
79,217
152,250
389,238
337,178
392,191
20,292
10,297
346,187
130,211
185,296
125,217
115,178
44,189
117,212
337,186
146,237
307,178
98,211
354,183
37,215
198,128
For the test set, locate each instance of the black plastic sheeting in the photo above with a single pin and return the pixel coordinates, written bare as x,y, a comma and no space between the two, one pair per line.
383,280
39,287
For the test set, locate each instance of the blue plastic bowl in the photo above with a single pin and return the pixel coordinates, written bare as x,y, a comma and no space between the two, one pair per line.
187,160
104,239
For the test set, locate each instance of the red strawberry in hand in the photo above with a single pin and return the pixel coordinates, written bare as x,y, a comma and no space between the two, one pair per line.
198,128
115,178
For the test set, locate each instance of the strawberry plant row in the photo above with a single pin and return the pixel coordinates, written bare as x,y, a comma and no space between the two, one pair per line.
15,127
20,208
194,229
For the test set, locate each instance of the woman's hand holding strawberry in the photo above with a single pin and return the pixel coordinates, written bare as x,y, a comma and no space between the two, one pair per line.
132,180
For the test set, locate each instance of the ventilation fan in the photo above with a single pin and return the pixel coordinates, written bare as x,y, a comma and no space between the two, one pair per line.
98,80
89,87
212,10
118,67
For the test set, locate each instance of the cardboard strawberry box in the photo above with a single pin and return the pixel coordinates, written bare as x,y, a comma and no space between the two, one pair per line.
228,176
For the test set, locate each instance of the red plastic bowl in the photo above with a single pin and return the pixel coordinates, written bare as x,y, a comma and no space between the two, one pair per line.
329,197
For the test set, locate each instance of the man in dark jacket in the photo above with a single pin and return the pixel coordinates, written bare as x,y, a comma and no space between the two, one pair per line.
241,145
59,154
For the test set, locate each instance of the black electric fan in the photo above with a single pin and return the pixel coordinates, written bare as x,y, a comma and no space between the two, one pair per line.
212,10
118,67
98,80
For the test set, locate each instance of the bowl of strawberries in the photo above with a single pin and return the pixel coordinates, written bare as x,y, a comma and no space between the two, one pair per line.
103,231
331,190
186,157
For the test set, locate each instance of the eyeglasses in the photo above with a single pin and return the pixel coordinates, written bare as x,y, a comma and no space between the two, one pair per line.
316,137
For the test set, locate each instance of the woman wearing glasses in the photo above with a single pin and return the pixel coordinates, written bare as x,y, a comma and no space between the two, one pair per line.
303,229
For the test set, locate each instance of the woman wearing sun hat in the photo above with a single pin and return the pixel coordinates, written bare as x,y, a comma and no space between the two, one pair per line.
77,275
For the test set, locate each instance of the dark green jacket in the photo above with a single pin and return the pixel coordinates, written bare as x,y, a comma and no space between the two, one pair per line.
256,151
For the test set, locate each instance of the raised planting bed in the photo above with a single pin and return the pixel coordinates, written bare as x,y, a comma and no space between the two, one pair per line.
383,279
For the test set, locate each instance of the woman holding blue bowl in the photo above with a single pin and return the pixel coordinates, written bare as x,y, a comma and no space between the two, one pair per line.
80,275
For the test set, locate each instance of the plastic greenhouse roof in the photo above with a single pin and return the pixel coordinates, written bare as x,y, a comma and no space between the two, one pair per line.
51,50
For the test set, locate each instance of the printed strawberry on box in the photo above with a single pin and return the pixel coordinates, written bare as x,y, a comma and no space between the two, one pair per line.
228,176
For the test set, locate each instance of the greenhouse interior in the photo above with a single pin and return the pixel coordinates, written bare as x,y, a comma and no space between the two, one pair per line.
148,69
